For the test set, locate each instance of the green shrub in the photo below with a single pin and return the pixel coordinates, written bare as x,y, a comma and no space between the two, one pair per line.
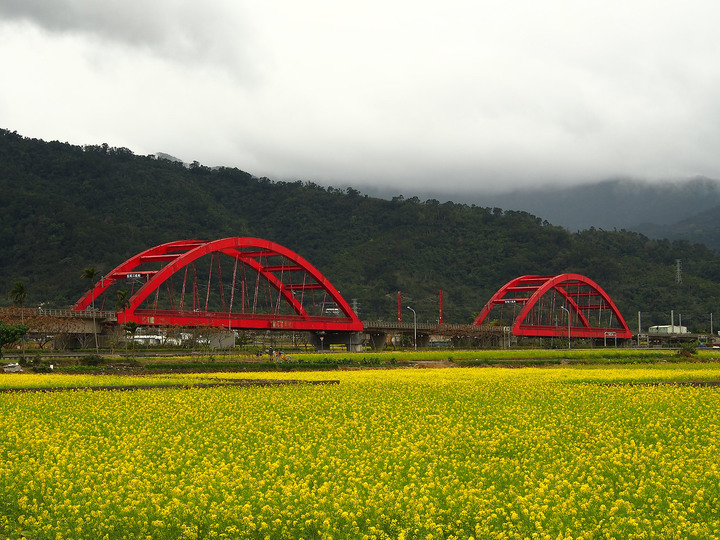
92,360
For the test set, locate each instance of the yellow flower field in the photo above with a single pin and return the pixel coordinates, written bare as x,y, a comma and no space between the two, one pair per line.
436,453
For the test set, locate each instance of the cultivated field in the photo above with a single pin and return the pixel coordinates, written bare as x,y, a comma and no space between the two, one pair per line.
407,453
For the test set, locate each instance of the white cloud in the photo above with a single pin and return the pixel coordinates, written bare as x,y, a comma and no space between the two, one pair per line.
406,94
182,31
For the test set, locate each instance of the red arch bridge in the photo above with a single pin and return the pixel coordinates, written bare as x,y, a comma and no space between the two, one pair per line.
255,284
233,283
567,305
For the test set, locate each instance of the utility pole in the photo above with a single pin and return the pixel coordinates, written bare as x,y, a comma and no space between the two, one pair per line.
414,325
568,315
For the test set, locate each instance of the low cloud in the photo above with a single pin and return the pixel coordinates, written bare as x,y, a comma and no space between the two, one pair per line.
412,95
184,32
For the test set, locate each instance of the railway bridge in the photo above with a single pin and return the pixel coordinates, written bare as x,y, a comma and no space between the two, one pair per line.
243,283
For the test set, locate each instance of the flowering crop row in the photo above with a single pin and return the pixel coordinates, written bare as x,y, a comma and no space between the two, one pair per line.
609,355
30,380
443,453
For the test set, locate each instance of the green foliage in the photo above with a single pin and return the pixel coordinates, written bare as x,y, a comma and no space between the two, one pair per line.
687,350
66,206
18,294
130,328
41,367
10,333
122,299
92,360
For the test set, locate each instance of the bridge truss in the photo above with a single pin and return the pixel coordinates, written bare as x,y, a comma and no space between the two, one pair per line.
555,306
236,283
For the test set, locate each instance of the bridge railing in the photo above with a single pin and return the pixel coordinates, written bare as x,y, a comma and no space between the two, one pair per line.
47,312
89,314
394,325
199,313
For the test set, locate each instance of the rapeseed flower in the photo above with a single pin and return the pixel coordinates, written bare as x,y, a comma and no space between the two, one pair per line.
453,453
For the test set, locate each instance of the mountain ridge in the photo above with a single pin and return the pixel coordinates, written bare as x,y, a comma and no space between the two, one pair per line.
66,208
618,203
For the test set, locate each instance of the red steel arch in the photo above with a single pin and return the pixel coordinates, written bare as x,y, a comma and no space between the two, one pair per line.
543,301
295,294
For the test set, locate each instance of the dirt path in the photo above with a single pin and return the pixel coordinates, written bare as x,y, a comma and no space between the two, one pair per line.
233,382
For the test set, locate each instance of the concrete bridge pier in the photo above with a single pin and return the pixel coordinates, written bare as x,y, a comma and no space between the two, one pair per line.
378,340
406,339
323,340
423,339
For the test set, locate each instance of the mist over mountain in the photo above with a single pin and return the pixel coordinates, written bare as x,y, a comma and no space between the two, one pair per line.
702,228
612,204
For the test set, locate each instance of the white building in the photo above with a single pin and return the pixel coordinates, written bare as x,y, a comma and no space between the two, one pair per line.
668,329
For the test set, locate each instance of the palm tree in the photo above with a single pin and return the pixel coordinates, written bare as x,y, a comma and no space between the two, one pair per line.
18,294
130,329
122,299
90,274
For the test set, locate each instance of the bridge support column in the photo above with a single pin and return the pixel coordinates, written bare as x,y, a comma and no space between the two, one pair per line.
324,341
378,340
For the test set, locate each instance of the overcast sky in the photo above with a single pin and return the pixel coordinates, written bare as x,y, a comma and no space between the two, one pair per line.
464,95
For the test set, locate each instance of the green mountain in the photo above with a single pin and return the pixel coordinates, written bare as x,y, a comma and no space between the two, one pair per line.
64,208
702,228
618,203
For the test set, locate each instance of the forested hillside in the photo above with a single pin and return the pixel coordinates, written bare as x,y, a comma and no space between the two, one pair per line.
703,227
618,203
64,208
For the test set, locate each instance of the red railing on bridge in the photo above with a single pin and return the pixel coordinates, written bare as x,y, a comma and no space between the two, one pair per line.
236,282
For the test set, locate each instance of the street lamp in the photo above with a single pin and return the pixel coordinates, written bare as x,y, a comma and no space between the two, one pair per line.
568,312
414,325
